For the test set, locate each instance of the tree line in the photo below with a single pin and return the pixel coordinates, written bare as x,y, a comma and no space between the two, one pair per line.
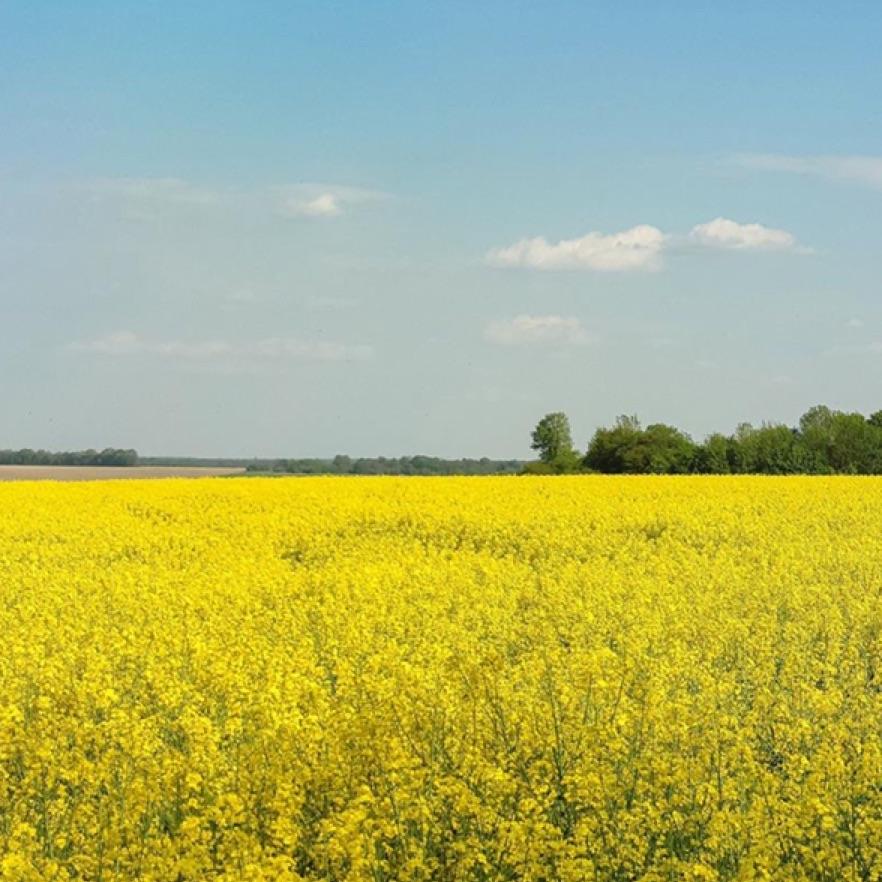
110,456
338,465
825,442
382,465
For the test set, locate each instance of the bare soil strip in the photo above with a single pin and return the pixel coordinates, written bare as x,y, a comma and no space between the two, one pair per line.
105,473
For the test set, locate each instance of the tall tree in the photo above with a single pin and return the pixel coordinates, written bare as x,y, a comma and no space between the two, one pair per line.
553,440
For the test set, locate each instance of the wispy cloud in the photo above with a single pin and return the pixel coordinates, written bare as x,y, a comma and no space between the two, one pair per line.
128,343
537,329
122,343
865,170
146,198
724,233
640,248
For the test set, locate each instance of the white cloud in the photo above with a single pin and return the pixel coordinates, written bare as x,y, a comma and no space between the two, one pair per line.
322,201
724,233
127,343
636,249
639,248
866,170
326,205
854,323
542,329
148,198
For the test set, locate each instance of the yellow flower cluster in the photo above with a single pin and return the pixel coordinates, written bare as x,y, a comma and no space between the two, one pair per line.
581,678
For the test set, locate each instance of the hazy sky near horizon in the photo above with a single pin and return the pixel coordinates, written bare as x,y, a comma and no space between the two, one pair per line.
301,229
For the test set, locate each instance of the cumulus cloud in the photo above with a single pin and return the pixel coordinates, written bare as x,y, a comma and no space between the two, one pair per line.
866,170
318,201
636,249
128,343
326,205
724,233
541,329
640,248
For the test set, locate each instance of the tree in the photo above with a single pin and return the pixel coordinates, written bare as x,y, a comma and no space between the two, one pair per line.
816,431
627,448
553,440
817,418
772,449
714,457
661,450
609,448
845,442
110,456
341,464
856,446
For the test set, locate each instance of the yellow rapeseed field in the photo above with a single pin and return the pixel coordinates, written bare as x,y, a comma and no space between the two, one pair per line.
580,678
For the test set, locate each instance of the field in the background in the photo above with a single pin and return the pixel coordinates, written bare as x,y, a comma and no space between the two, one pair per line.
446,679
106,473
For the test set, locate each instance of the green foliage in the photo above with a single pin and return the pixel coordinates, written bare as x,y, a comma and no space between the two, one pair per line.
856,445
628,449
538,468
567,461
826,442
772,449
844,442
609,449
661,450
382,465
553,440
110,456
715,456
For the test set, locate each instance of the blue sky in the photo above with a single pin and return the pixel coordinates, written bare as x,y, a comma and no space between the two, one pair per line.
387,228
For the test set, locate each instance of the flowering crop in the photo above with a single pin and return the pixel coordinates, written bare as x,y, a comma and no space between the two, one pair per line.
577,678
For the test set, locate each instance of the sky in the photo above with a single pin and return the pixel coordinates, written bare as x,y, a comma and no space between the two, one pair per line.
387,228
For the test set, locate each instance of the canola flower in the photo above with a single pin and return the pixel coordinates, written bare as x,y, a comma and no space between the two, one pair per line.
581,678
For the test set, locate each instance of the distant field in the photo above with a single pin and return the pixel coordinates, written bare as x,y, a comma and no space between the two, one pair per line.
104,473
